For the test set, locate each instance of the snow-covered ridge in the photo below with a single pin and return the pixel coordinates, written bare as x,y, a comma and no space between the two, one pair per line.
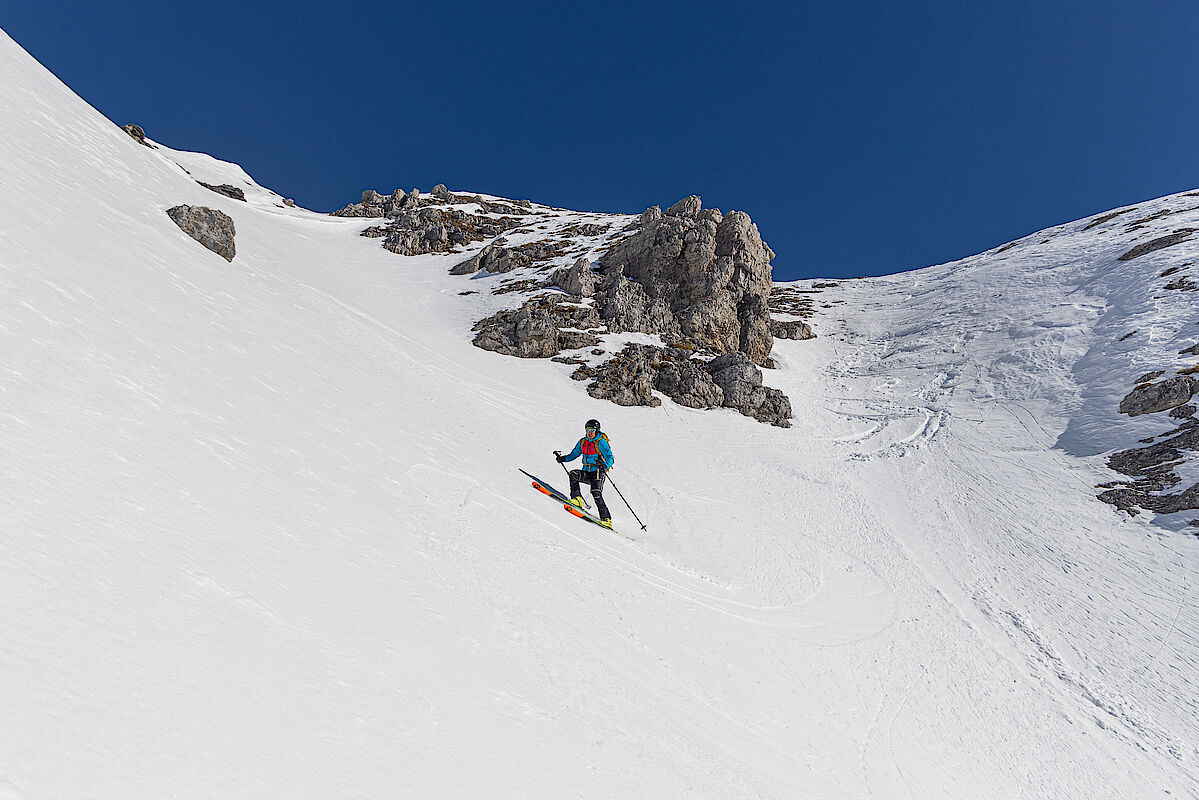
264,532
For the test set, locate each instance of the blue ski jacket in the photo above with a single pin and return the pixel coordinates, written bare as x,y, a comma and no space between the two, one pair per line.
601,457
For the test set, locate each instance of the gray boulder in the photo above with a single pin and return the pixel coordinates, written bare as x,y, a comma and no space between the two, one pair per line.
211,228
577,280
535,330
791,329
1147,399
741,381
441,194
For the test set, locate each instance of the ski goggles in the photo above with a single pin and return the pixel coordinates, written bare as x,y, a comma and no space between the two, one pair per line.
592,431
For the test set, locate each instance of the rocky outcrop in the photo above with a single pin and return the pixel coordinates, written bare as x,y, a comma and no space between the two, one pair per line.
541,328
1180,235
741,381
226,189
627,378
442,194
1153,397
730,381
496,258
211,228
577,280
710,272
791,329
371,205
138,135
437,230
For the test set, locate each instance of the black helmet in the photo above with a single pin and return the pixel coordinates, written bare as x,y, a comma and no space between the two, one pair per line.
592,423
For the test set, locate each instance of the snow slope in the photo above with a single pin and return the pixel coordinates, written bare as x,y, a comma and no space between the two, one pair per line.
264,533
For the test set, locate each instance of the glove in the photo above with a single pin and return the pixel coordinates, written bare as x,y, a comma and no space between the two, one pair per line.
561,458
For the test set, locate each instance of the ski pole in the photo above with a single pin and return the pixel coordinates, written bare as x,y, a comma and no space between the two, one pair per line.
626,502
564,469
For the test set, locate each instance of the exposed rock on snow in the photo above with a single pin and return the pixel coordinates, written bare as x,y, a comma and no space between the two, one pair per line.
1180,235
1147,399
577,280
731,380
211,228
137,133
627,378
226,189
535,329
791,329
694,277
436,230
497,258
710,272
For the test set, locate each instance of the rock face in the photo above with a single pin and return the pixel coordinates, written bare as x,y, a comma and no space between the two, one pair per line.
577,280
1147,399
709,272
137,133
211,228
226,189
731,381
535,330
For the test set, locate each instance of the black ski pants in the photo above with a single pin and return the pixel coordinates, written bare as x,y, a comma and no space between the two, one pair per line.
596,480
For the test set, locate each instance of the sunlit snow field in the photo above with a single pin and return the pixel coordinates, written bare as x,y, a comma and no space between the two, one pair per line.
264,533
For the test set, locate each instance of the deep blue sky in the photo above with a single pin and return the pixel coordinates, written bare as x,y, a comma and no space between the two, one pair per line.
863,138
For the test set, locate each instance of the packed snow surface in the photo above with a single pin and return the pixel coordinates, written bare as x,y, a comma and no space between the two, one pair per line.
264,533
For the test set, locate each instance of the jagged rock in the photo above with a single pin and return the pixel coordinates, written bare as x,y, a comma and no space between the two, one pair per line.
1182,412
627,378
371,205
791,329
1158,396
625,306
711,272
535,329
211,228
1150,376
741,381
374,232
287,201
436,230
1180,235
494,258
577,280
442,194
399,202
226,189
687,383
1193,350
137,133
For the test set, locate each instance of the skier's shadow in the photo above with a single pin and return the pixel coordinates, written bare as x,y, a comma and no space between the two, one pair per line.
546,485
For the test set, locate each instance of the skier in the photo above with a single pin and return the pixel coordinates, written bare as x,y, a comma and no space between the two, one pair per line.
597,460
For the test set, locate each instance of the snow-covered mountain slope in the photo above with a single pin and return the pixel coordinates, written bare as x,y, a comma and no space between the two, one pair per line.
264,533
